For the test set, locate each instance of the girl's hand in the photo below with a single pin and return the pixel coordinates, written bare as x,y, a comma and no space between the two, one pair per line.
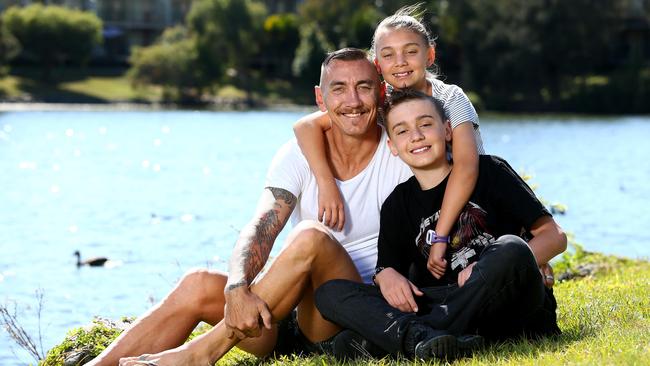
330,206
437,262
397,290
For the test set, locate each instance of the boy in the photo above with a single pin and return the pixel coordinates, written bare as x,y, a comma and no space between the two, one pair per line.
492,286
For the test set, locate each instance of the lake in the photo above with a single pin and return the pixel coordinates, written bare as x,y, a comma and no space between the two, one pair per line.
159,192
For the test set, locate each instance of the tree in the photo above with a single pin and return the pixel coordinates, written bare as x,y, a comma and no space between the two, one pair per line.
172,62
344,23
310,54
282,37
9,48
229,34
523,53
52,35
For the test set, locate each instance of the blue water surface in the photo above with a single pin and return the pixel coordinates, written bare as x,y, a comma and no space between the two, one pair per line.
159,192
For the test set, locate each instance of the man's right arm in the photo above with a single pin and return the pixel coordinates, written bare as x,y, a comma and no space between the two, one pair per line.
243,308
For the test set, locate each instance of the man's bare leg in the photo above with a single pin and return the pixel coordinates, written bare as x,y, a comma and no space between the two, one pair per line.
312,258
197,297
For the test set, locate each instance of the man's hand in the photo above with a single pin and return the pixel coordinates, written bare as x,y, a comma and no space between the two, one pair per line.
330,205
463,276
245,313
547,275
437,264
397,290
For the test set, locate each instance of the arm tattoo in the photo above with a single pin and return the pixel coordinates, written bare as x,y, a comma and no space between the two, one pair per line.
266,231
288,197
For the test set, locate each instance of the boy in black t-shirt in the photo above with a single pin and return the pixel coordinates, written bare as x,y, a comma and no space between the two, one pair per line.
492,285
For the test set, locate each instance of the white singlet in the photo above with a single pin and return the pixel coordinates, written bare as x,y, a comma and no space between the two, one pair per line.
363,196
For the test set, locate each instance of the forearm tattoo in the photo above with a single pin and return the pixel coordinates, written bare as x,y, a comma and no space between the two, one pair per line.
265,232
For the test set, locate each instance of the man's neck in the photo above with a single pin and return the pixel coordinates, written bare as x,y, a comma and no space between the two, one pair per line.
431,177
349,155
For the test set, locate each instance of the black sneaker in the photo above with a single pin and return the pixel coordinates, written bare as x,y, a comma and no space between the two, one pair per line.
442,346
448,346
469,343
349,344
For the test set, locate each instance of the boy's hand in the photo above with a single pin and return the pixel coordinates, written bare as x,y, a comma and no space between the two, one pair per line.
330,205
437,262
397,290
547,275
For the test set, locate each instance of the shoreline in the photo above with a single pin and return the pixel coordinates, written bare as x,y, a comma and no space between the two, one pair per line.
131,106
239,107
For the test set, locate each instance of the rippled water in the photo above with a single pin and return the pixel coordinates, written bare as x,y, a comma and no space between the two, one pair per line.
161,192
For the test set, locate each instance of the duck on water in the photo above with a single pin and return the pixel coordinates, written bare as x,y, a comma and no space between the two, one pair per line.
92,262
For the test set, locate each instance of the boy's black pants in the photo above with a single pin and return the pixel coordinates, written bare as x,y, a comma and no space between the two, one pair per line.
503,297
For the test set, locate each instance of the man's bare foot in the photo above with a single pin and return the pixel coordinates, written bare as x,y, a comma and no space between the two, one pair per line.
172,357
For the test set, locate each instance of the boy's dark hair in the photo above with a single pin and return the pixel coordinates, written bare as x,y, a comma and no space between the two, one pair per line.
400,96
345,54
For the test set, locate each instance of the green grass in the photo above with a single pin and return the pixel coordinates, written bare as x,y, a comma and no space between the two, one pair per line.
110,85
9,87
605,319
111,89
75,86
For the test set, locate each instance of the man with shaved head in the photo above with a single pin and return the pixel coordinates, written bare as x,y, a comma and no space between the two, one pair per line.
246,304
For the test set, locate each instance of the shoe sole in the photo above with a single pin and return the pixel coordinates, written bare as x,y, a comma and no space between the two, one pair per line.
448,347
444,346
467,344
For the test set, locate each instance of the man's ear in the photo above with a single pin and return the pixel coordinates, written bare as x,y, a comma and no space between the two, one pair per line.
382,93
393,149
431,56
318,92
376,62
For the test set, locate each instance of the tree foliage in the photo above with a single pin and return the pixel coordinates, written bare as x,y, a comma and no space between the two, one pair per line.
171,63
228,34
518,51
9,48
52,35
282,37
310,54
344,23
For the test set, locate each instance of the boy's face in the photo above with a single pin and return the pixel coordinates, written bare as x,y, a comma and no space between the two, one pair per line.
418,135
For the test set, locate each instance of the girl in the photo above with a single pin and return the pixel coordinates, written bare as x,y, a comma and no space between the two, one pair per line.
403,49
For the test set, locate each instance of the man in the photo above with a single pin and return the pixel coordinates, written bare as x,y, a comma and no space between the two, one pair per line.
245,304
492,286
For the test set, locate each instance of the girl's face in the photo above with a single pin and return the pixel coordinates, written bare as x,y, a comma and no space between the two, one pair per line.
402,57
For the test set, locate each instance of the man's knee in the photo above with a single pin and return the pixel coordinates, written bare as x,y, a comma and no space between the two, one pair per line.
310,238
201,287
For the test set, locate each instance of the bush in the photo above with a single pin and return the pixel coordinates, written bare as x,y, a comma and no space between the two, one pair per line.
172,65
310,54
9,48
52,35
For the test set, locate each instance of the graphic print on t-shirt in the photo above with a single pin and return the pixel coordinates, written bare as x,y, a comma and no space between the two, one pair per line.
470,236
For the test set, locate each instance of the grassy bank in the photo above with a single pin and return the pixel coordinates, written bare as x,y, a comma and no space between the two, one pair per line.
111,85
604,313
74,86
